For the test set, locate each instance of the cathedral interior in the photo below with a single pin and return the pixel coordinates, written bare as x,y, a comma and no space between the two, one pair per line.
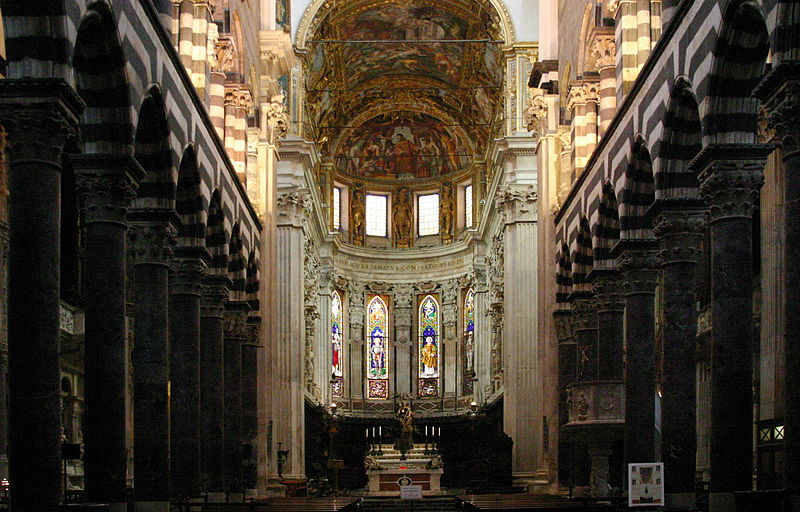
541,252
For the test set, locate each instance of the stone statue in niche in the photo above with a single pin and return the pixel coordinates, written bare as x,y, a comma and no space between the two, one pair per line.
402,215
404,414
446,208
357,216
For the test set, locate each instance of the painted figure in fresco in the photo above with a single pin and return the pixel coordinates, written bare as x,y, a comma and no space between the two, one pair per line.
405,156
428,357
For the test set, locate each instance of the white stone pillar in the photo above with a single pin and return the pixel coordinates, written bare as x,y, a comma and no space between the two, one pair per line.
523,401
287,350
405,342
354,362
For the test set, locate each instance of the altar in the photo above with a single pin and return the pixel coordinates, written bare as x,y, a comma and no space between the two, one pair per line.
387,470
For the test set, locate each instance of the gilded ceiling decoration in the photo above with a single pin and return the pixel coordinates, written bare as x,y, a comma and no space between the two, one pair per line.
390,78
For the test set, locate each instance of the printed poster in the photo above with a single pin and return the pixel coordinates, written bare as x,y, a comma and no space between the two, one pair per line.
646,484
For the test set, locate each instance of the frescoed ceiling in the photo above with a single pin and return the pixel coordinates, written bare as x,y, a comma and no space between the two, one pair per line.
418,73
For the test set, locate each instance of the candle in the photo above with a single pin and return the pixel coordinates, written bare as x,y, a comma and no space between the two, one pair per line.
426,430
440,432
373,431
380,431
366,433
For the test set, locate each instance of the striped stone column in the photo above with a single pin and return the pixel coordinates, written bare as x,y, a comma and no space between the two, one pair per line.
202,15
590,114
185,33
244,106
576,102
604,50
655,21
216,96
643,36
231,98
627,45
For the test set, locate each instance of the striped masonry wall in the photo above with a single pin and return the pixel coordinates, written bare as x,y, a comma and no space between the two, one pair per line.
655,21
608,97
216,237
189,203
606,230
153,152
680,143
253,283
582,258
563,276
637,195
237,267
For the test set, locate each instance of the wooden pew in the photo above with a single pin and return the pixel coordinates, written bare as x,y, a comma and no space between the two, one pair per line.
276,504
523,502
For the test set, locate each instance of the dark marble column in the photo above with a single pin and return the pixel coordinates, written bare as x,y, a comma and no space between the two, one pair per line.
215,294
679,226
106,185
567,374
584,315
186,286
637,262
610,309
730,178
151,234
779,92
250,350
235,336
39,116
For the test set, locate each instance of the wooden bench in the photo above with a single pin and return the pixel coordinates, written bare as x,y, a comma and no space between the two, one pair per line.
517,502
277,504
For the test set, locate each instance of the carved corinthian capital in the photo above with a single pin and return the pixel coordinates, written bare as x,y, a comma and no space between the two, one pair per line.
517,202
780,96
604,51
277,119
293,207
535,113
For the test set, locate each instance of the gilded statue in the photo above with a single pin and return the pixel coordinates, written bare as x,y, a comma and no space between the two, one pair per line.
446,210
357,216
402,223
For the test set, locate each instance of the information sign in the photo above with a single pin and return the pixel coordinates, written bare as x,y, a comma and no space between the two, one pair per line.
646,484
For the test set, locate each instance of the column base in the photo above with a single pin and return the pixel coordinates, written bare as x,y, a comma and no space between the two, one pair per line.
721,502
236,497
216,497
532,482
151,506
251,493
681,500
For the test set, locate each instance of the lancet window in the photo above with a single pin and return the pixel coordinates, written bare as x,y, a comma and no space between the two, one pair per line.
469,340
337,344
377,348
429,360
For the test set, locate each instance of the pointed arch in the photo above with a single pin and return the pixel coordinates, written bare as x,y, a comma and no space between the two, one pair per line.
740,57
152,151
189,201
638,194
563,274
377,348
582,257
429,360
102,83
236,264
606,230
253,285
681,142
216,237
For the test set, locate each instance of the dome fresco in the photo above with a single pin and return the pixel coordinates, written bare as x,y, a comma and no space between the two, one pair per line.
406,90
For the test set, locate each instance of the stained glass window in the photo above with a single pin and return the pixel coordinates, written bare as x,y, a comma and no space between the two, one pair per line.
469,341
337,343
377,349
429,359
